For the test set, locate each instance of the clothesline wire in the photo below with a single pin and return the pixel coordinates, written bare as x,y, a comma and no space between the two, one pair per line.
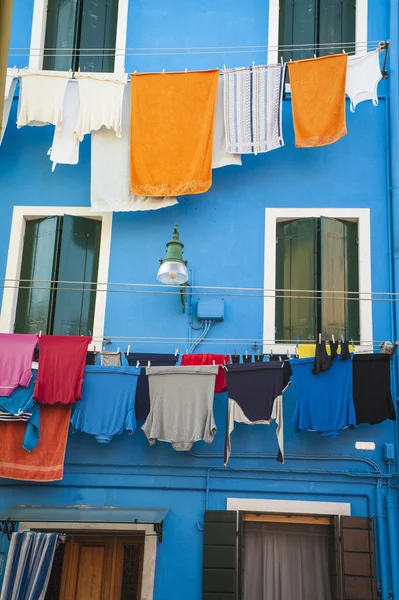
189,288
219,341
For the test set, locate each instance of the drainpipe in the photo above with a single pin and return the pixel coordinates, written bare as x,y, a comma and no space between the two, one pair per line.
394,140
393,545
383,559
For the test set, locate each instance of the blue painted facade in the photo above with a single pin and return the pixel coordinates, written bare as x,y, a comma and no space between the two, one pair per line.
224,236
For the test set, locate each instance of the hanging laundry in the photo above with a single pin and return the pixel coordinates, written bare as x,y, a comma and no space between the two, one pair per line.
220,157
324,403
111,359
255,398
100,102
41,97
20,406
287,371
91,357
210,359
46,461
333,349
16,353
322,362
95,413
362,78
372,388
309,350
110,170
181,406
65,147
253,106
11,84
61,368
172,123
143,392
318,100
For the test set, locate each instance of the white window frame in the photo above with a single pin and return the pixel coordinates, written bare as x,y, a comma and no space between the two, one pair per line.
21,214
38,35
150,543
274,11
359,215
291,507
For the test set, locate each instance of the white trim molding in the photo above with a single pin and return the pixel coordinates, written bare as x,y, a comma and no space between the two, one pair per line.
150,543
359,215
273,29
38,34
293,507
21,214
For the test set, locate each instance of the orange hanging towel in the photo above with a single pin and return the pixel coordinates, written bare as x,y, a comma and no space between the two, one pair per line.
318,100
171,134
46,461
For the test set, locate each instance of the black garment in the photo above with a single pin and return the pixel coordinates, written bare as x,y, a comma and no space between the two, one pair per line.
91,358
287,371
142,405
322,362
254,388
345,354
333,349
372,388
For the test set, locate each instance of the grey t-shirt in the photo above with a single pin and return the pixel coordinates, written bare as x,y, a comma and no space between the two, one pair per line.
181,405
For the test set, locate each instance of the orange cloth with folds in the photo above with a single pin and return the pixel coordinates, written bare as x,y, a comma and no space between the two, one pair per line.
318,100
46,461
171,137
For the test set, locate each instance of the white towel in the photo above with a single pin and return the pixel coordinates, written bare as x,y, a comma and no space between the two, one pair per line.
42,97
221,158
110,170
101,99
65,148
11,84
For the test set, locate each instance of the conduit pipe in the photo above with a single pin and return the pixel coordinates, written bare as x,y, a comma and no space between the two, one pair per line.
381,540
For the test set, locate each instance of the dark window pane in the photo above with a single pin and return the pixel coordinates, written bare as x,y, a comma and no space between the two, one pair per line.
131,572
54,584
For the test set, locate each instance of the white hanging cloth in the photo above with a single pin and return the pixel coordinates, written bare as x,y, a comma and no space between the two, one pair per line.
221,158
42,97
65,147
11,84
363,75
110,170
100,102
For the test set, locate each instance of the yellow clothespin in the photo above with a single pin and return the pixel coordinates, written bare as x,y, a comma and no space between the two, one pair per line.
149,364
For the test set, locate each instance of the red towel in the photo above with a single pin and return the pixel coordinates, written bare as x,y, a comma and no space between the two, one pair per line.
46,461
208,359
62,362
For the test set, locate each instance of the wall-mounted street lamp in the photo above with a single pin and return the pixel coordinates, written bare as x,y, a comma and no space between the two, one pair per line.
173,269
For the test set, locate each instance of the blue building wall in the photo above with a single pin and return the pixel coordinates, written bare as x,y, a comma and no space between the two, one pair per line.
224,236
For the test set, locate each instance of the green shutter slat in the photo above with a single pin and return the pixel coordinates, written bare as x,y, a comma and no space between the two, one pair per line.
39,261
61,31
339,273
348,22
296,270
98,30
337,24
78,262
285,36
220,555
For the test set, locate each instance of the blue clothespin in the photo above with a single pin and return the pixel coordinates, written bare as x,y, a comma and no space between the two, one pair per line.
342,339
271,352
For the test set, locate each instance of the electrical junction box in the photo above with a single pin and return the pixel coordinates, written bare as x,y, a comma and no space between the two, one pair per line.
389,453
210,309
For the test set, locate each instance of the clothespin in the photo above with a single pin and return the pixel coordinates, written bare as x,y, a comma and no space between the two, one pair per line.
78,70
94,348
128,350
271,352
185,70
297,347
253,64
224,68
280,359
214,363
40,333
149,364
314,56
288,353
319,338
342,339
163,70
176,351
281,60
351,342
333,338
137,364
246,353
235,352
117,350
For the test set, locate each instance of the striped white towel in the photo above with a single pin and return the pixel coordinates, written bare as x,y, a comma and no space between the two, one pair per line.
252,109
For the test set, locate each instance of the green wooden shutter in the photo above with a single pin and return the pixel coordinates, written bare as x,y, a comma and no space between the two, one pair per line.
339,273
98,30
39,262
358,558
79,254
220,555
297,26
296,264
61,33
337,24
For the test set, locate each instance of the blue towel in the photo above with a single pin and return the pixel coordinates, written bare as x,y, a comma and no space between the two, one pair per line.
324,401
107,404
21,401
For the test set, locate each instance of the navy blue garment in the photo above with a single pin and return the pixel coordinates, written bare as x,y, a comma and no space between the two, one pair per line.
372,388
143,392
324,403
107,404
20,400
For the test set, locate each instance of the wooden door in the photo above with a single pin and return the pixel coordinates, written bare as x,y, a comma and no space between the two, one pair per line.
100,567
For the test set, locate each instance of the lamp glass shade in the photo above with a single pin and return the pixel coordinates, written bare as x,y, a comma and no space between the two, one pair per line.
172,272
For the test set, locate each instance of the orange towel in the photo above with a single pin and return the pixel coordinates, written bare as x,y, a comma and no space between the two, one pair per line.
171,133
318,100
46,461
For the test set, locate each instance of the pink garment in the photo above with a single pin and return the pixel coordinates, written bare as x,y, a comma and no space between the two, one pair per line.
16,353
